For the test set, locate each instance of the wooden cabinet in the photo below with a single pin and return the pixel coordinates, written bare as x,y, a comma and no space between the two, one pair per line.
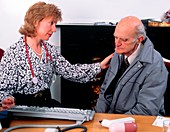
84,44
160,38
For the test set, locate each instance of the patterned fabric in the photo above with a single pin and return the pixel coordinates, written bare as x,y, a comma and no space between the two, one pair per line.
16,77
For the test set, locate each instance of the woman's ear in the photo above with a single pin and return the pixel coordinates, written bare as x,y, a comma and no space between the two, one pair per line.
36,24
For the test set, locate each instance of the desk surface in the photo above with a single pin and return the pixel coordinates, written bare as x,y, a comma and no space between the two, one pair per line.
144,123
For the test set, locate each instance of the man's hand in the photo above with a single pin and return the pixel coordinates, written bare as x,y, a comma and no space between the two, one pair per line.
105,63
8,103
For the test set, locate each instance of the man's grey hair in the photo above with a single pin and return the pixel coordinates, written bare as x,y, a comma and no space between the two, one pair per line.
141,31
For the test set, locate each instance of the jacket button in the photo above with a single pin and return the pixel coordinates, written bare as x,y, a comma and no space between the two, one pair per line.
139,66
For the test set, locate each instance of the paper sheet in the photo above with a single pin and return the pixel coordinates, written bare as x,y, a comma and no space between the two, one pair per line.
159,121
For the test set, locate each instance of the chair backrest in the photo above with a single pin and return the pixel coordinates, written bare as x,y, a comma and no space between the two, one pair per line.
1,53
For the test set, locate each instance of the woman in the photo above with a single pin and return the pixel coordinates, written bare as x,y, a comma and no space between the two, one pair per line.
27,66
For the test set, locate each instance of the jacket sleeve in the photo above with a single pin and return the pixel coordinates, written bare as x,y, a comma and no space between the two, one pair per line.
103,104
76,72
151,94
104,100
8,75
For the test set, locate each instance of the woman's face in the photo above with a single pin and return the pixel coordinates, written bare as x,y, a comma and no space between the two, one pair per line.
46,28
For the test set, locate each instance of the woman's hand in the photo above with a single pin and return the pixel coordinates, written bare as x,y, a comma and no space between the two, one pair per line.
105,63
8,103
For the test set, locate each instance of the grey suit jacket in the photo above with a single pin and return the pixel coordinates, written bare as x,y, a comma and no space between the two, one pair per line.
140,90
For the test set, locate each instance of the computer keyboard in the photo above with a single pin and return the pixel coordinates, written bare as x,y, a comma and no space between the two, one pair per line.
54,112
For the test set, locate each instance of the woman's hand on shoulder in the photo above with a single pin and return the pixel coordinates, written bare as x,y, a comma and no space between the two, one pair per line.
105,63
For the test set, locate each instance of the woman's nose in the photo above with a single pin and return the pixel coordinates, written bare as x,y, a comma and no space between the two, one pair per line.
54,28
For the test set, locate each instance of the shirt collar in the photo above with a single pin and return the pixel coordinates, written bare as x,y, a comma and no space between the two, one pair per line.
134,54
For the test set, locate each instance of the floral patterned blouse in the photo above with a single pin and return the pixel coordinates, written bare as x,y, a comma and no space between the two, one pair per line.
16,76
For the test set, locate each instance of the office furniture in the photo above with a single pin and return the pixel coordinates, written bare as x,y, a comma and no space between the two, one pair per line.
84,44
144,123
1,53
160,38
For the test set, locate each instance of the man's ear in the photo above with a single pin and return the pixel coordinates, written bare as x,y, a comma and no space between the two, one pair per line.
140,39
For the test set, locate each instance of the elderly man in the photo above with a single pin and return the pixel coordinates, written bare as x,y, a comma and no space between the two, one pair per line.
137,88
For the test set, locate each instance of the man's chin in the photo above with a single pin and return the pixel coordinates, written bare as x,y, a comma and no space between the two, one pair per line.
118,52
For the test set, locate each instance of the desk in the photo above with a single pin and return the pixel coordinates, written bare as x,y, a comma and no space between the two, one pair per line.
144,123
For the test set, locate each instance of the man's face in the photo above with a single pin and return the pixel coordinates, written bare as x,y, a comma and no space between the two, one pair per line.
125,39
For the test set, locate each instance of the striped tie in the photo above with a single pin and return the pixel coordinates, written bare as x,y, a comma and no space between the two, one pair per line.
127,62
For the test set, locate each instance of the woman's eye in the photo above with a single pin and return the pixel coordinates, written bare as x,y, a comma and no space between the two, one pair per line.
52,23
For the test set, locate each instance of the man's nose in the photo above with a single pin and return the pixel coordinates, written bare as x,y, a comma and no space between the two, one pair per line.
118,42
